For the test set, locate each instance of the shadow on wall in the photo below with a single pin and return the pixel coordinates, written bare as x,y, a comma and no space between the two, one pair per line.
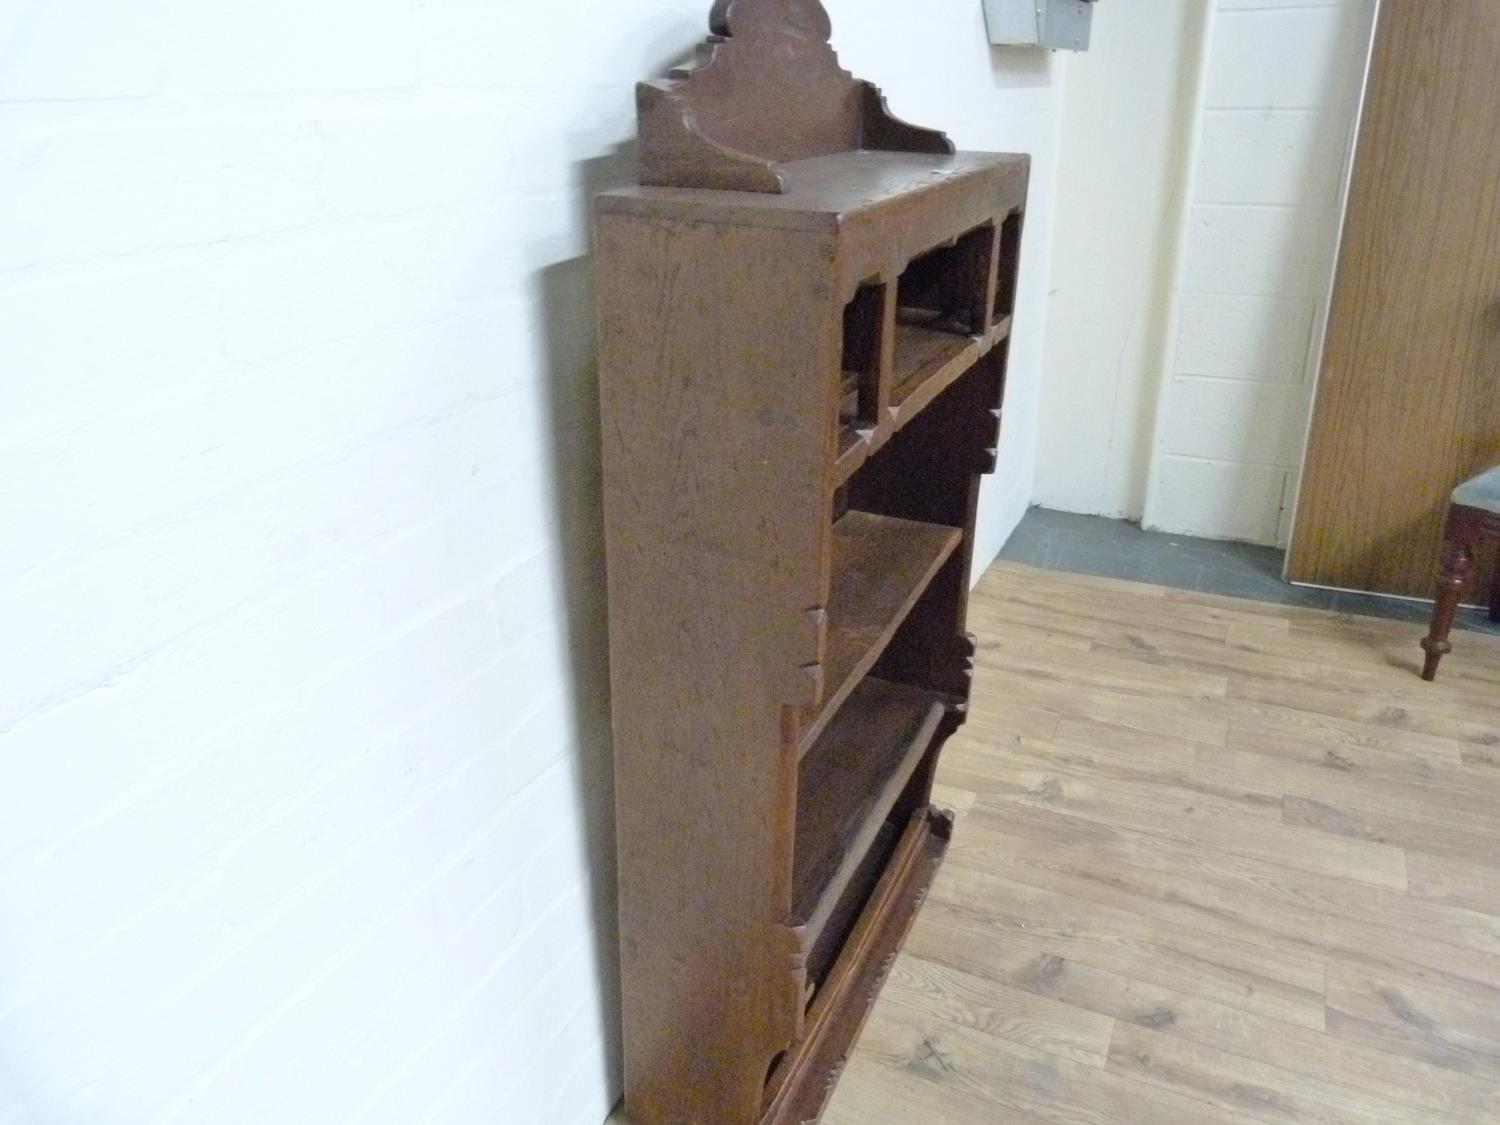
566,296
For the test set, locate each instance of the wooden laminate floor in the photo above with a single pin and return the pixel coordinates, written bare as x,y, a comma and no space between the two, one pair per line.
1217,861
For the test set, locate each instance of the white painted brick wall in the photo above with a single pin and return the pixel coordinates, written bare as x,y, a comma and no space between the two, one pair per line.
1127,117
1280,100
304,770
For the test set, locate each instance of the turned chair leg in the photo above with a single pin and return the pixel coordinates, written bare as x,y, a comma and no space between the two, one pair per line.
1452,576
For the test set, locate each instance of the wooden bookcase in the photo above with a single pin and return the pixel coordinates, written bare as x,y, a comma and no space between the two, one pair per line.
805,319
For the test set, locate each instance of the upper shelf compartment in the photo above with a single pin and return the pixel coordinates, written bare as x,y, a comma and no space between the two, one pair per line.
905,343
766,88
942,308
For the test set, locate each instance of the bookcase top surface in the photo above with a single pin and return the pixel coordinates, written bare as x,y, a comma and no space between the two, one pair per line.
821,192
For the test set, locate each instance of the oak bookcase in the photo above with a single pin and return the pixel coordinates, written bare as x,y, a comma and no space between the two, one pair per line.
805,314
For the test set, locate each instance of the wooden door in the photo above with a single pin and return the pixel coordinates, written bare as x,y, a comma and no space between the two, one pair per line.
1408,403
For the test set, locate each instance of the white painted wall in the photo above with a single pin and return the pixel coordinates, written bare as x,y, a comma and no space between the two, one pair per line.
304,769
1127,119
1275,129
1199,193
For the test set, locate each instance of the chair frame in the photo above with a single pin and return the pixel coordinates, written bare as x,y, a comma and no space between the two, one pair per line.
1466,528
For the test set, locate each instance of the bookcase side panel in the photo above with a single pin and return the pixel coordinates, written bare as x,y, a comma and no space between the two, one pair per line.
719,354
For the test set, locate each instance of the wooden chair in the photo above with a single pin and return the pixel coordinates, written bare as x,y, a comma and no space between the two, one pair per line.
1473,516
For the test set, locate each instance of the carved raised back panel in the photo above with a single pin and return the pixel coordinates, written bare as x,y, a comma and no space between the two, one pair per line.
772,87
767,88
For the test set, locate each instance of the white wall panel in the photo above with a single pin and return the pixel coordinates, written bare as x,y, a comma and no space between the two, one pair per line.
1293,57
1220,499
1234,420
1126,124
1275,129
1286,158
1238,337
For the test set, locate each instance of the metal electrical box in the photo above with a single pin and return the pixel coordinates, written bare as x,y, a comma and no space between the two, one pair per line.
1040,23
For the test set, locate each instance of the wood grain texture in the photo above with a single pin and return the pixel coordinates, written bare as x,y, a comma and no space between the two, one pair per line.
710,639
1283,908
1408,403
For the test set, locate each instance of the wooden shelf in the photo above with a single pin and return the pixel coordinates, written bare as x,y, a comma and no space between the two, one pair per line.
950,358
847,785
800,1087
921,352
920,388
881,566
